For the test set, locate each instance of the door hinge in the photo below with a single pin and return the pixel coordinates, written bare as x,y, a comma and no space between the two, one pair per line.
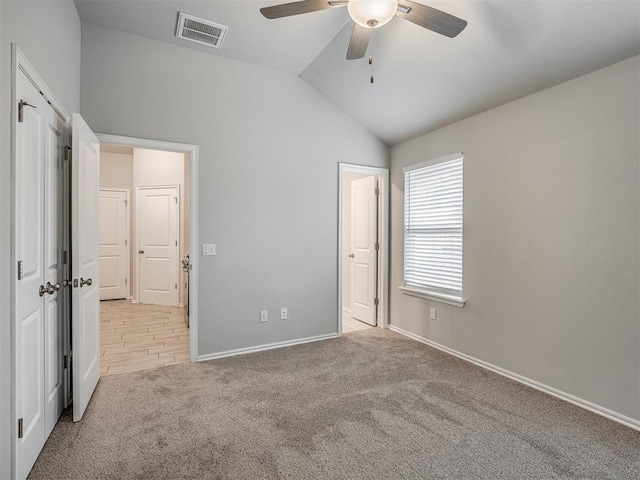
21,105
66,362
125,242
176,199
126,203
20,270
377,246
376,301
65,257
20,426
176,287
67,153
377,191
176,243
125,281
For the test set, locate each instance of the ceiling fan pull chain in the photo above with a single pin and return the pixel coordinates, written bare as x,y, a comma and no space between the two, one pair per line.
371,55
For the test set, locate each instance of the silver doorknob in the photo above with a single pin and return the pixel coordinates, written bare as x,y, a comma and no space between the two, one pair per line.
352,255
87,282
140,251
48,288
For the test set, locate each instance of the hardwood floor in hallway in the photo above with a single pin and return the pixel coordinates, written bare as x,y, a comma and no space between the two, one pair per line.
138,337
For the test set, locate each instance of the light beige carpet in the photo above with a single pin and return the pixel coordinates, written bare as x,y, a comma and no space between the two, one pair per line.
368,405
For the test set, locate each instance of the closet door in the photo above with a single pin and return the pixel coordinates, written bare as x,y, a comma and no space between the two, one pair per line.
85,297
38,323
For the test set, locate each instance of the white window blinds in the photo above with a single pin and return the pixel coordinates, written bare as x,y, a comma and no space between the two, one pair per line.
433,226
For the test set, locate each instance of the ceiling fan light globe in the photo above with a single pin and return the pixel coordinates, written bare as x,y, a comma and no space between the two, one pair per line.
363,11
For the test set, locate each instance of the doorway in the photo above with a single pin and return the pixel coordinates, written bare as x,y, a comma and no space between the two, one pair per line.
363,233
145,264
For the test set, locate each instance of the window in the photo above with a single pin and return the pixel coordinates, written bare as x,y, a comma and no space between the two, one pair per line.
433,230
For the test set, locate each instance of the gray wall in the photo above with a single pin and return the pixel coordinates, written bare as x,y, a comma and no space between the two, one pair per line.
48,33
269,152
551,240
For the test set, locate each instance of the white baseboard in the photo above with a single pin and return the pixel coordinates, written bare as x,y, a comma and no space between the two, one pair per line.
592,407
269,346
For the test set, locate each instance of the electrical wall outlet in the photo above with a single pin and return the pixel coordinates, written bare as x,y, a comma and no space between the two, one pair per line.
264,316
283,314
433,313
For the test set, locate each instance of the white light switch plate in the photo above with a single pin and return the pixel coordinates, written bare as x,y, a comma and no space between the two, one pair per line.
208,249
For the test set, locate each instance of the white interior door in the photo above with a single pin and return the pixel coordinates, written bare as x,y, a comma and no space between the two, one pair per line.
85,317
364,228
157,219
39,336
114,249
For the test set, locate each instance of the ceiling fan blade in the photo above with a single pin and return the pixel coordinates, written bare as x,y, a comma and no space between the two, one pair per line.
298,8
431,18
359,42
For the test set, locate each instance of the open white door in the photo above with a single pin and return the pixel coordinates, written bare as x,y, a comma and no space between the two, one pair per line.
114,249
85,298
364,254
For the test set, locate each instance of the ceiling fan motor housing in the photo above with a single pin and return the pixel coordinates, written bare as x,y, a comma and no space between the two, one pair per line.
372,13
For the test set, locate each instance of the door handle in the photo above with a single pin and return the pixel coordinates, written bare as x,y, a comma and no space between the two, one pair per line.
352,255
48,288
140,251
88,282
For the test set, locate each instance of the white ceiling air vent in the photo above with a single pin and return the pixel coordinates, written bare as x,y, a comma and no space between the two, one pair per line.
200,31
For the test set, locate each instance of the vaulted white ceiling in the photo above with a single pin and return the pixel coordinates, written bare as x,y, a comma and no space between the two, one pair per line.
510,48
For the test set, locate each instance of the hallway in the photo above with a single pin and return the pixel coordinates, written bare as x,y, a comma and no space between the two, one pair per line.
138,337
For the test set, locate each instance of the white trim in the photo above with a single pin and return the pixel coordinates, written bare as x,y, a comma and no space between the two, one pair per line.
383,259
428,163
434,296
346,310
193,151
268,346
128,233
592,407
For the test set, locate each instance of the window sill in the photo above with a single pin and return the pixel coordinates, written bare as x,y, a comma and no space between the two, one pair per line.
435,296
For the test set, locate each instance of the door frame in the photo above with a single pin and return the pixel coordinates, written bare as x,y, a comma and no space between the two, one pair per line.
192,151
383,235
20,63
139,188
127,194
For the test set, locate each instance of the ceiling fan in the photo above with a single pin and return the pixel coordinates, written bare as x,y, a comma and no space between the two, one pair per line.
371,14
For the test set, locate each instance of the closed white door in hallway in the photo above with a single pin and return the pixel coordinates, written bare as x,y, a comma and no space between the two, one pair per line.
157,221
114,247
